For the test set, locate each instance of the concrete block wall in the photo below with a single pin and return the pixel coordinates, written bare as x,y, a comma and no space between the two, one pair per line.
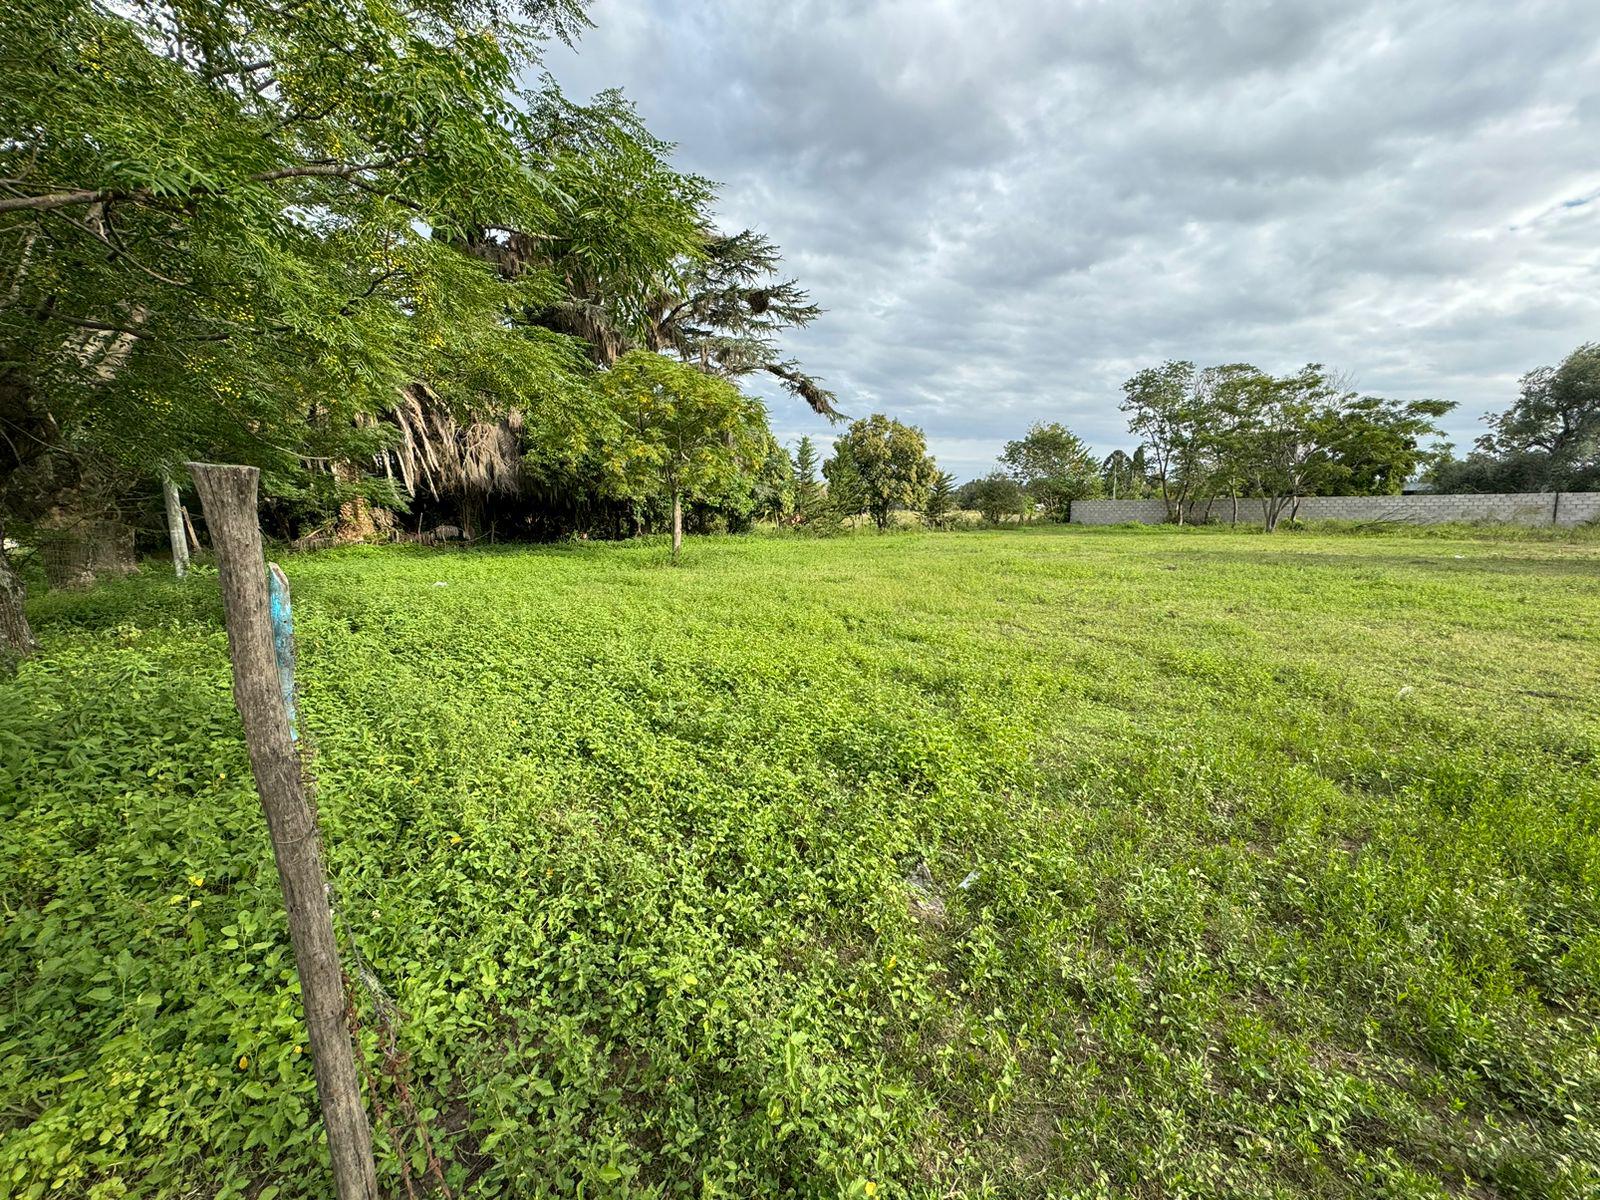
1517,508
1118,512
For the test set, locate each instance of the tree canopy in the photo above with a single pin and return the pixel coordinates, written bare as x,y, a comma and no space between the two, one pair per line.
996,496
1234,430
1549,439
1054,466
677,432
889,463
347,242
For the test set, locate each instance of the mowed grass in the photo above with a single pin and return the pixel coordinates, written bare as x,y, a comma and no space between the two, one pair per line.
1268,867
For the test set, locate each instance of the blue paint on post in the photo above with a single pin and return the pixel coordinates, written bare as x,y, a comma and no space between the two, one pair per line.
283,640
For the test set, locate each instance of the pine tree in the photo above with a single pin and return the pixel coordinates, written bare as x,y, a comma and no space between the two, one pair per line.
941,501
807,491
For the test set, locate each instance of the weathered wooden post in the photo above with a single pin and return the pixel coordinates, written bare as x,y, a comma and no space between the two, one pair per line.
228,498
194,538
176,534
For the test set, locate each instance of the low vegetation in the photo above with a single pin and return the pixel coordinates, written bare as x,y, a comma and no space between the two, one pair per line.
1048,862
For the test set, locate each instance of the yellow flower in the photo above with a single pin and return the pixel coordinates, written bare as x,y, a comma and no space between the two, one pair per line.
298,1051
244,1061
197,881
455,839
871,1189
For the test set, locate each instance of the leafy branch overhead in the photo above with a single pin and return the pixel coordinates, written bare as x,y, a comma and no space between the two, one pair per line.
338,232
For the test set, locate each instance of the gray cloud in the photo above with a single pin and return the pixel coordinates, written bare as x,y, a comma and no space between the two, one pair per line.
1007,209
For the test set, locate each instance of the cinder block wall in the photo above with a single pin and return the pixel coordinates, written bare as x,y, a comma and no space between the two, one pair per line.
1517,508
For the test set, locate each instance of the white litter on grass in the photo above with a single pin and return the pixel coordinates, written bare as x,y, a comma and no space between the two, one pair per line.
972,878
926,902
1406,691
441,583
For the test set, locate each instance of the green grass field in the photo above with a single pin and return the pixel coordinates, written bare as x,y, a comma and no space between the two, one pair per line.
1269,866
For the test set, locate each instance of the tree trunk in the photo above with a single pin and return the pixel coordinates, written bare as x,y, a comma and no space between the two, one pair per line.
16,636
175,531
1235,521
228,496
677,525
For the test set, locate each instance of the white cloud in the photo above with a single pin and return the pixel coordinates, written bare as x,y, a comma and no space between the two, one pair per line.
1008,209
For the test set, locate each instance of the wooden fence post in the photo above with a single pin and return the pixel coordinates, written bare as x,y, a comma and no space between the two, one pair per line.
228,498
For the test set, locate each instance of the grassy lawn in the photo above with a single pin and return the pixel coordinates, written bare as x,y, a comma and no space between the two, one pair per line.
1261,866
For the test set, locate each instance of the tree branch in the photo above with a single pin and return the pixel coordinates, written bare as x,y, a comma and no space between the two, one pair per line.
106,195
98,326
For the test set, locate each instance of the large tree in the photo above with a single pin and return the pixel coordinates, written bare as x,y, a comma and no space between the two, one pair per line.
1284,438
1548,440
807,489
1121,476
341,240
891,462
1169,410
996,496
1054,466
231,228
938,508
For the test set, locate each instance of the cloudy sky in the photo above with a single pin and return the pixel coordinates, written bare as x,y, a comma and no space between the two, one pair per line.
1007,208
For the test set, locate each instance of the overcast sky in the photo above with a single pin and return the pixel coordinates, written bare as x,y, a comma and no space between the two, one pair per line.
1008,207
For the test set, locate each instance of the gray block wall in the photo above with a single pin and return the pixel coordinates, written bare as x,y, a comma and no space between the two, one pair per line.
1517,508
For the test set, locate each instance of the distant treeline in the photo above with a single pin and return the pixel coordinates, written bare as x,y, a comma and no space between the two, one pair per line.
1234,431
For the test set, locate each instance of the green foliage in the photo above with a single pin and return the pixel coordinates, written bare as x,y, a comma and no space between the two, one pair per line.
808,492
941,502
1548,440
880,465
346,242
997,497
725,309
676,431
1305,435
1234,430
1122,474
1054,466
233,230
1169,412
1264,897
846,493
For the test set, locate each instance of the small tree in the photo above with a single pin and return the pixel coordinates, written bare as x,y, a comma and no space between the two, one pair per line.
1054,466
996,496
941,501
891,462
676,432
807,490
773,488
